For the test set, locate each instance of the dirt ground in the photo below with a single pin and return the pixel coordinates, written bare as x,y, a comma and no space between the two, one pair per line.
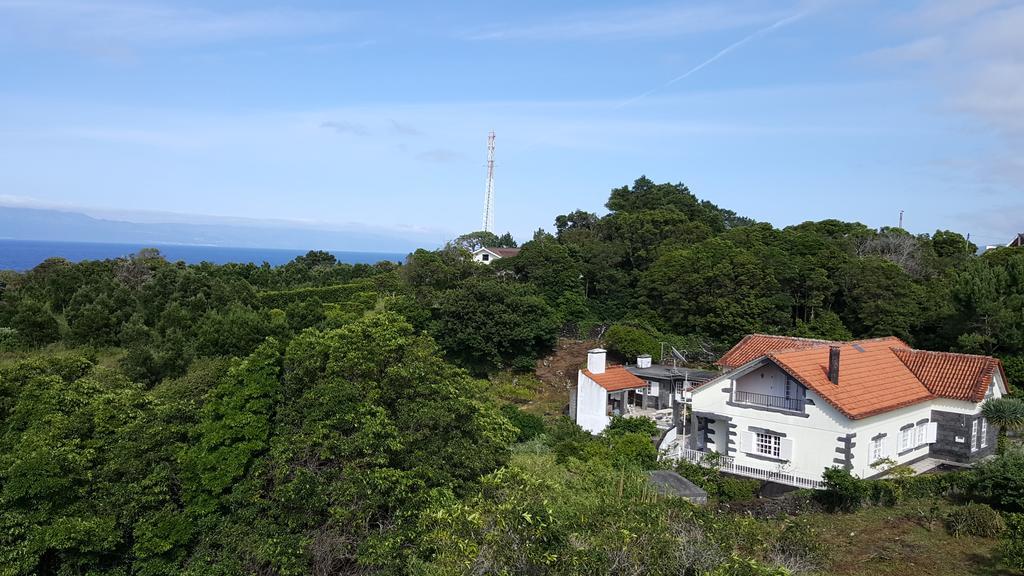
557,373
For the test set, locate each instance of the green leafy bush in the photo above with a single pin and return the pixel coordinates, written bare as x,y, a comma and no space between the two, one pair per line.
799,548
974,520
631,341
843,491
628,425
529,426
1000,481
718,486
1012,544
337,293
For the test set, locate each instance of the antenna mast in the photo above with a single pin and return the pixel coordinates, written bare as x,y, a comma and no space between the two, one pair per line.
489,195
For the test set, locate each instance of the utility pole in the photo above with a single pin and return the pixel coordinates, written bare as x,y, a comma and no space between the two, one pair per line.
489,194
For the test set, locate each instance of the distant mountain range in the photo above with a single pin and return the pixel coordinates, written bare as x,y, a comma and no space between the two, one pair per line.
19,223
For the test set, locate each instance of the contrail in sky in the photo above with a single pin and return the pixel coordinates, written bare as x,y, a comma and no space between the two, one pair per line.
784,22
753,36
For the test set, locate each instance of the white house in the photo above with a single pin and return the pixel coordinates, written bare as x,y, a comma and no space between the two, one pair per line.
787,408
650,390
601,391
488,255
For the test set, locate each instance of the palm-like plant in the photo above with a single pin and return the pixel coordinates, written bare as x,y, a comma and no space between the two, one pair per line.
1007,414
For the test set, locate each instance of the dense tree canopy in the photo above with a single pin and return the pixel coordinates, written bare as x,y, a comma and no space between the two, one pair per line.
321,418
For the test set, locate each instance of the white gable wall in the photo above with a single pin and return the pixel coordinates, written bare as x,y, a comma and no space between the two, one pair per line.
591,405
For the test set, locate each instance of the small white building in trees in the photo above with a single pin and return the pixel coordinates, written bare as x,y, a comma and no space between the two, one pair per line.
488,255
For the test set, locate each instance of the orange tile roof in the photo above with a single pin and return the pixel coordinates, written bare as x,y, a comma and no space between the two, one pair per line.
870,382
957,376
615,378
875,375
756,345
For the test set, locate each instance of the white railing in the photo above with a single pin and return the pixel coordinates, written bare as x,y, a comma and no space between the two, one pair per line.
728,464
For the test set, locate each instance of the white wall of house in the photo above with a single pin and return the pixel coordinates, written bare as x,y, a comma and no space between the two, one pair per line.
484,256
768,380
890,424
591,405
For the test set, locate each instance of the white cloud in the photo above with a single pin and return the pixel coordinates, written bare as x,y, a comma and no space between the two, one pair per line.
972,50
667,20
921,49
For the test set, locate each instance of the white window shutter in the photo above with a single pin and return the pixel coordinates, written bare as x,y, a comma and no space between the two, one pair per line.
786,449
932,432
746,442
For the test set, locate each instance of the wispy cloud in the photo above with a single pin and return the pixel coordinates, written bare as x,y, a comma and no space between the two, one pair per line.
666,20
717,55
404,129
921,49
140,24
974,50
345,127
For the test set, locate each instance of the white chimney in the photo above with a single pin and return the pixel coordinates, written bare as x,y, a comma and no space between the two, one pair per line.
595,360
643,361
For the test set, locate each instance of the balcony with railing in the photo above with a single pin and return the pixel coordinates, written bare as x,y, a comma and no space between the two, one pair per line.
768,401
728,464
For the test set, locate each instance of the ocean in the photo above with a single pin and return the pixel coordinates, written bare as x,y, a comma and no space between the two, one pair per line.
21,255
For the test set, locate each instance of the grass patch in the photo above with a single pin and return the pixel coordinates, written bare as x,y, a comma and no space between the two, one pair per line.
906,539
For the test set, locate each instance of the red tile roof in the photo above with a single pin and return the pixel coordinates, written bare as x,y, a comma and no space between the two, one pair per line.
504,252
615,378
957,376
756,345
875,375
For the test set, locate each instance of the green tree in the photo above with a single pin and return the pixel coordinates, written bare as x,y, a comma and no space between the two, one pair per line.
1006,413
487,323
714,288
34,323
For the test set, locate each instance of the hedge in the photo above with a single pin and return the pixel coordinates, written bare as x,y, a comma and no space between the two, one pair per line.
326,294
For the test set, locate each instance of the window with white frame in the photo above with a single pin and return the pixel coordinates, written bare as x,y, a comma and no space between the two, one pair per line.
768,444
974,436
921,434
906,439
877,449
984,433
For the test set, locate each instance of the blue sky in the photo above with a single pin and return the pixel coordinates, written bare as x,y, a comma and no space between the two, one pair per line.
374,113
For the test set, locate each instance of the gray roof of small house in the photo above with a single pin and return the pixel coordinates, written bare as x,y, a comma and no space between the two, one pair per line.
664,373
670,483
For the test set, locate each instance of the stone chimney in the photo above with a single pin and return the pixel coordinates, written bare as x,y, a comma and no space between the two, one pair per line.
643,361
833,364
596,360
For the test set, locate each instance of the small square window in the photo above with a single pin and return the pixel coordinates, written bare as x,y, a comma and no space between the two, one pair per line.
768,444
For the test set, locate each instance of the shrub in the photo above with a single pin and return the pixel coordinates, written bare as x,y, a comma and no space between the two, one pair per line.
631,341
8,339
974,520
843,492
737,566
633,450
886,492
718,486
629,425
736,489
799,548
1000,481
529,426
1012,544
